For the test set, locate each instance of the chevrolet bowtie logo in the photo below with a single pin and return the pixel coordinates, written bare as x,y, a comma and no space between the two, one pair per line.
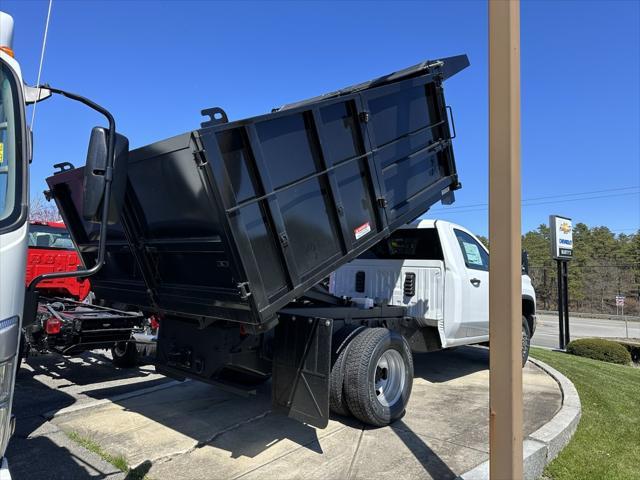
565,228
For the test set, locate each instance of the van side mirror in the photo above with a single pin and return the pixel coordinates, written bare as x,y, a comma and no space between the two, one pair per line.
525,262
95,180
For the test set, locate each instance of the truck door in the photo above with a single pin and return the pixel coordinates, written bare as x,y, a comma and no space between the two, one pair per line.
475,281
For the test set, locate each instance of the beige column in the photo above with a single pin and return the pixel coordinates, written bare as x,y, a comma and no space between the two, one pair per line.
505,303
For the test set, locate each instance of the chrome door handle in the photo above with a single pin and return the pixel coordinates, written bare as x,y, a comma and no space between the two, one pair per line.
475,282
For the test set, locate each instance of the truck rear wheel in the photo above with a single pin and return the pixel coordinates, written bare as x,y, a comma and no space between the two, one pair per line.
378,376
124,354
340,341
526,340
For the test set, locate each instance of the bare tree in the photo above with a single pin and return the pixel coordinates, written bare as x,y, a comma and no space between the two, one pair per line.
42,211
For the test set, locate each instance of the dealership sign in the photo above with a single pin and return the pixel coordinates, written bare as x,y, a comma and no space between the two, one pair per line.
561,229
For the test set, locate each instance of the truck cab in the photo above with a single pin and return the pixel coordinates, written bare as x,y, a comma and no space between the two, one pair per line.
439,271
14,158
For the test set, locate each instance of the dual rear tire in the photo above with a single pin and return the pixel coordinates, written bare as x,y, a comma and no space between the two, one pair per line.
372,373
124,354
372,376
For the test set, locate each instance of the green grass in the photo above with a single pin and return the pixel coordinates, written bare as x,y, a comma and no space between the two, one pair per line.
606,444
118,461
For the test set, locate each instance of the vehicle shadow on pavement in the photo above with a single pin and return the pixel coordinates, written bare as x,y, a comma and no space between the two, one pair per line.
75,370
450,364
270,433
45,384
41,458
31,453
243,426
429,459
36,398
31,400
140,471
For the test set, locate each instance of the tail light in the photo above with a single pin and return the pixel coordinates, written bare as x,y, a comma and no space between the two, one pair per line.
154,322
52,326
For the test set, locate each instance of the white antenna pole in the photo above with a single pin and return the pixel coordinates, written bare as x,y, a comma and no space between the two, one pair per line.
44,46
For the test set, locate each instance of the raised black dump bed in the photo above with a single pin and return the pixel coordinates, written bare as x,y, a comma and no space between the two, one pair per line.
237,219
226,230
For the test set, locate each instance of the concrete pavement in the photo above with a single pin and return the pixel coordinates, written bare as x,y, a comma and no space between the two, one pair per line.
38,449
195,431
546,334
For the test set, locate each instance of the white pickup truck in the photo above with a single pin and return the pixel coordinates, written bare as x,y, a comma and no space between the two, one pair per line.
440,272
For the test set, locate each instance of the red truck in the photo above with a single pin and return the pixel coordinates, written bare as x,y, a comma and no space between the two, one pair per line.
51,250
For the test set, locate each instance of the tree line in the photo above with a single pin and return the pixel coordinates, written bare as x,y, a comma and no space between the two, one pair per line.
604,265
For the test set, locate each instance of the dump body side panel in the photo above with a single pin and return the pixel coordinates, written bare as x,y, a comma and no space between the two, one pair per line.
236,220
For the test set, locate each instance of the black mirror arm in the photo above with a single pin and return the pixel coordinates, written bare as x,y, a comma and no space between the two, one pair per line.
108,174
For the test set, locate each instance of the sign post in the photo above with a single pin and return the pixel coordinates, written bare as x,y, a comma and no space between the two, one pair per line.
620,303
561,229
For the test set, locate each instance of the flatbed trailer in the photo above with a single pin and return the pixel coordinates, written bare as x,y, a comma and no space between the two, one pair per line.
69,327
225,232
65,321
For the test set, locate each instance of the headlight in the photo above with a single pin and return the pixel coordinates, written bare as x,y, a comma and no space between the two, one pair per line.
9,341
6,382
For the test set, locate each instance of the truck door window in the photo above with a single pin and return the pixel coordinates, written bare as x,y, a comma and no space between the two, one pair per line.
44,236
408,243
10,171
474,254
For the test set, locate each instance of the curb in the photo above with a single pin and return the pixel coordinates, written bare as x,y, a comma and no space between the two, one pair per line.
543,445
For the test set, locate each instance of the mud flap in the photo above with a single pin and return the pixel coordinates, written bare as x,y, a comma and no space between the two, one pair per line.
301,368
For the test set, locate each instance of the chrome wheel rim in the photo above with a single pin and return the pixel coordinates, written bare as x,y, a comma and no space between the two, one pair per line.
389,378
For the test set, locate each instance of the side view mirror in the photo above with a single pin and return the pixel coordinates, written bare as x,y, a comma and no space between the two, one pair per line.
95,180
35,94
108,156
525,263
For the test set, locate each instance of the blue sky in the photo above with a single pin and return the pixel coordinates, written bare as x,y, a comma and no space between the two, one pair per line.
156,65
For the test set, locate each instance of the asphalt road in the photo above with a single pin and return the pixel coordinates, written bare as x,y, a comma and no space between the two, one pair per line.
546,334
